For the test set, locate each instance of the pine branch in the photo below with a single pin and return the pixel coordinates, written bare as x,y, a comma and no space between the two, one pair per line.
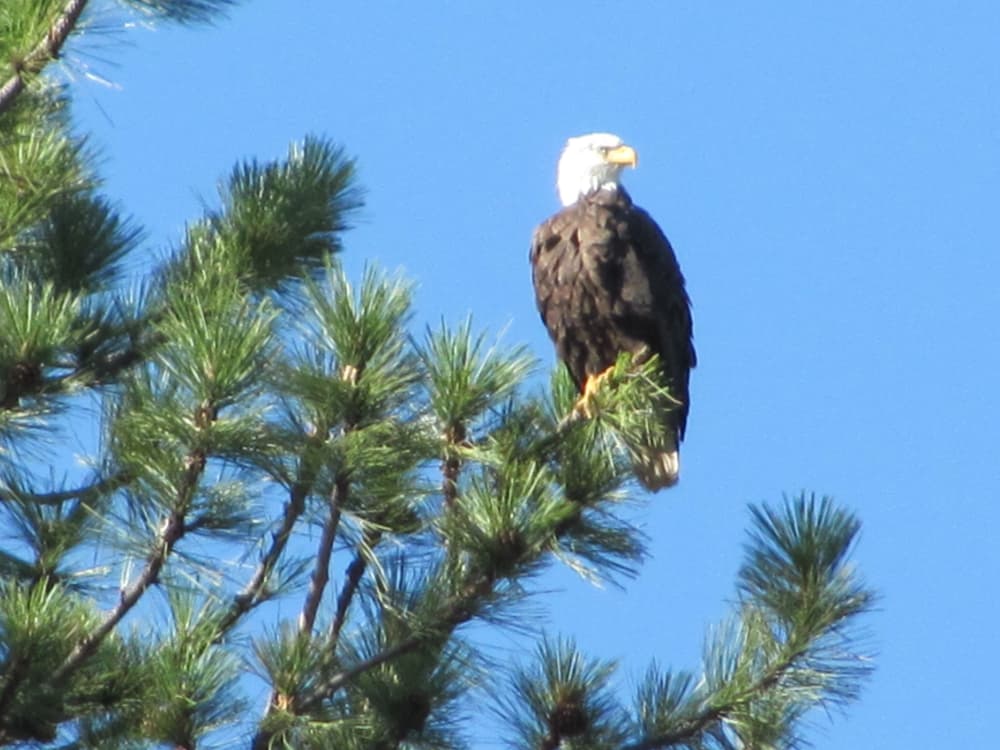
337,500
479,587
250,596
790,650
352,580
692,729
83,494
455,439
321,571
172,531
393,652
320,577
107,368
696,726
45,51
459,612
264,736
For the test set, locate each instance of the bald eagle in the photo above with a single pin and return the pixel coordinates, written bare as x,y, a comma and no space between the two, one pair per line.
607,282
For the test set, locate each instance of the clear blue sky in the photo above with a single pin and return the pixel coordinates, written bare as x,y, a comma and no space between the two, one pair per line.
829,175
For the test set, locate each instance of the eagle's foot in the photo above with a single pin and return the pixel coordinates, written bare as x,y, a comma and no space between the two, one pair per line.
585,406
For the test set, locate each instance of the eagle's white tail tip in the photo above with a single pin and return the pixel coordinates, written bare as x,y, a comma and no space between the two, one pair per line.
657,469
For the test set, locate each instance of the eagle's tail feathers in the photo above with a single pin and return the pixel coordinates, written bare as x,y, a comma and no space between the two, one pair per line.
657,468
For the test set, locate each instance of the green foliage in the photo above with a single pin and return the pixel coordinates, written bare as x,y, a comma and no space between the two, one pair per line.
505,530
47,533
280,220
41,325
184,11
414,696
40,166
216,343
564,698
355,365
80,244
797,565
194,691
663,701
37,319
23,23
39,625
466,378
763,669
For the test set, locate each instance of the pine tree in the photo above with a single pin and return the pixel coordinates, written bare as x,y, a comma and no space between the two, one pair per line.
266,424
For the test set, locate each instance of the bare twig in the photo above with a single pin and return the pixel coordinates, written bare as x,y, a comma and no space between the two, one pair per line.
352,579
449,483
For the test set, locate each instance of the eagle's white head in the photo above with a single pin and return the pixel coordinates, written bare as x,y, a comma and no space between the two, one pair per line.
592,162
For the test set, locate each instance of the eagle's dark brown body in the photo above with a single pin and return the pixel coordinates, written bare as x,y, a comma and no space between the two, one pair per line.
607,282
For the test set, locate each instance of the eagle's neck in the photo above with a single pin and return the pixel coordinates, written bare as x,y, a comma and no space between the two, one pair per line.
569,195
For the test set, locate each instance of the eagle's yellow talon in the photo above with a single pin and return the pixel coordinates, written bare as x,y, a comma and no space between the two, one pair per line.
585,406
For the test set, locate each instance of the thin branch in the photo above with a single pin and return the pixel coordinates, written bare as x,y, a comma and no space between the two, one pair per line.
450,467
688,731
400,649
321,571
449,483
251,594
262,740
352,579
100,487
26,380
456,614
108,367
693,727
546,444
173,530
459,612
105,370
45,51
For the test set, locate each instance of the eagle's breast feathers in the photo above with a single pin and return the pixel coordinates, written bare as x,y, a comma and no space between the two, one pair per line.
606,282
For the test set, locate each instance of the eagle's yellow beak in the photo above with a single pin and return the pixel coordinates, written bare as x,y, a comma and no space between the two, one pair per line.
624,155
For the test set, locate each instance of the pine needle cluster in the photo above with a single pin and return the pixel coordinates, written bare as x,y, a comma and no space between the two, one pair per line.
294,508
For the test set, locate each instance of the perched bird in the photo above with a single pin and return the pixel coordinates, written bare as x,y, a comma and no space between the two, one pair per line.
607,282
